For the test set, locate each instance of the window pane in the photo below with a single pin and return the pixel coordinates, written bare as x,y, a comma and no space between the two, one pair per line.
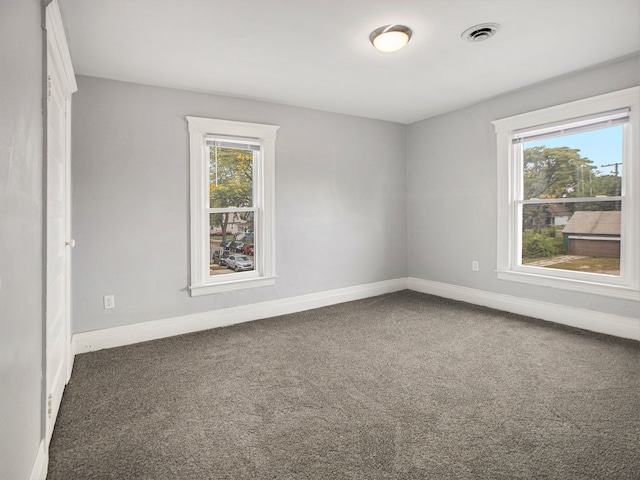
230,177
231,242
583,237
587,164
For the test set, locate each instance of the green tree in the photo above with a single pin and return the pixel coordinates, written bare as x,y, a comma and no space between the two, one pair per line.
608,185
559,172
230,182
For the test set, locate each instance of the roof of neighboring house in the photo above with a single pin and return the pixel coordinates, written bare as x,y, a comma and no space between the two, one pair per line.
558,210
594,223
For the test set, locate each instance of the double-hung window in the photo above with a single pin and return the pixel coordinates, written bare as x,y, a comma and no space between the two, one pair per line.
569,196
232,205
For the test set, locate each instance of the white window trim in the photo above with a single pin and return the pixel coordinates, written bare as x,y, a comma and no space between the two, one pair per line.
264,200
627,286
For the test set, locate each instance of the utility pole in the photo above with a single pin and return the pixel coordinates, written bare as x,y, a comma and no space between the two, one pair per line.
615,173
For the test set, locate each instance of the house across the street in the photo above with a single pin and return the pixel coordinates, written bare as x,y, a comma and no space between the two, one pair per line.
559,214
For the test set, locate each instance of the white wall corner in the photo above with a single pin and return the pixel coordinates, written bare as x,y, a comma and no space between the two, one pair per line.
142,332
599,322
39,470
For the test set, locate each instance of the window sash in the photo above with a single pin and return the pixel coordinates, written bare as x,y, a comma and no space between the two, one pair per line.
236,144
518,221
257,271
232,142
230,209
590,123
518,202
599,198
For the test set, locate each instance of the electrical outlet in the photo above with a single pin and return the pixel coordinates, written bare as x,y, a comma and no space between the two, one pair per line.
109,301
474,266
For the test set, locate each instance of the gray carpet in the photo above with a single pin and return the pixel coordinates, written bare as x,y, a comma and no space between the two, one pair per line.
401,386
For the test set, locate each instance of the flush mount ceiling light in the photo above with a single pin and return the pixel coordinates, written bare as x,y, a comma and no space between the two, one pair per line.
481,32
390,38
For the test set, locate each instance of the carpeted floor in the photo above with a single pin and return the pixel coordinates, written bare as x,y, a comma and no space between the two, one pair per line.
401,386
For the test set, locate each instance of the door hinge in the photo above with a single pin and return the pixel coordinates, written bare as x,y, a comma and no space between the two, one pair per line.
50,405
48,87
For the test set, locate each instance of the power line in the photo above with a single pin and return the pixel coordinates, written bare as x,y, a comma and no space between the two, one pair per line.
615,173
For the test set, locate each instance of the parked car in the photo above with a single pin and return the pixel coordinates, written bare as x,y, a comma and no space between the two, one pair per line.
236,246
239,263
219,232
225,245
222,261
247,248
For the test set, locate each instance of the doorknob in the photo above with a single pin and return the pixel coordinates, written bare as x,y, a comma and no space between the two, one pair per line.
71,243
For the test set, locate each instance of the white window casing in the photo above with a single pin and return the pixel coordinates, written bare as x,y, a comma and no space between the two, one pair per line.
608,109
200,131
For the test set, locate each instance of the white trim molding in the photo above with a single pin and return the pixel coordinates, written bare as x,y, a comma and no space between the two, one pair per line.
599,322
510,193
142,332
59,42
263,204
41,463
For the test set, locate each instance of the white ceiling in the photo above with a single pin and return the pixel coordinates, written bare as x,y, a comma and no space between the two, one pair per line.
316,53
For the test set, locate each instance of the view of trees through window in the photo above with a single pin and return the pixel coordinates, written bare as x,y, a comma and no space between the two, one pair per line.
231,223
571,210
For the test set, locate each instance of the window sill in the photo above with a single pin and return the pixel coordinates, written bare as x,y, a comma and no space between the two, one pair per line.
211,288
594,288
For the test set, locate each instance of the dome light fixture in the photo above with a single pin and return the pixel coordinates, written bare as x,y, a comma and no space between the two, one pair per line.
390,38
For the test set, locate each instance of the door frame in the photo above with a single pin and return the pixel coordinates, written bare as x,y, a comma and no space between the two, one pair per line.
57,51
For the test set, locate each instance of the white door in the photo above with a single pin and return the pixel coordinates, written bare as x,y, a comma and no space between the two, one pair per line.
57,336
58,242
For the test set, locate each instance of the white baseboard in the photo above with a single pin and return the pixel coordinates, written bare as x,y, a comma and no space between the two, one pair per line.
41,464
142,332
618,326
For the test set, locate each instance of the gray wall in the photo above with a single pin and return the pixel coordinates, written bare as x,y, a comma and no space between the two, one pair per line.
451,193
348,190
340,201
21,233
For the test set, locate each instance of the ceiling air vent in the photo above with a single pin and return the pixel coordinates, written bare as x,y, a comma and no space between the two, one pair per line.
480,32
